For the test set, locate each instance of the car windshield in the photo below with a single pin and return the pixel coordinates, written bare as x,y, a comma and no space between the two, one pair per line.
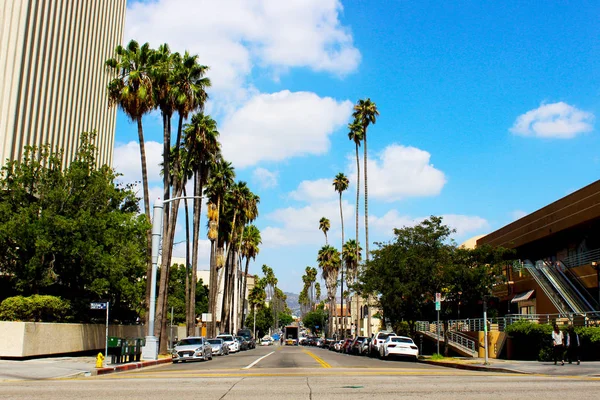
215,341
227,338
401,340
189,342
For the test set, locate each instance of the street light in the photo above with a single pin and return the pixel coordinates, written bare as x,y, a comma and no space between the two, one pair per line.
150,350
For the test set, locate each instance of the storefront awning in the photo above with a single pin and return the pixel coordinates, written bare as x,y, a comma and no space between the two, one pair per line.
523,296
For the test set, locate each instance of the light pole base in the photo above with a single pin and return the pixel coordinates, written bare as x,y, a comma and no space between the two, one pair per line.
150,350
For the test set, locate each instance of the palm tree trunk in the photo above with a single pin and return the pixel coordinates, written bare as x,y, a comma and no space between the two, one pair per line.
238,295
244,291
367,228
187,260
196,236
147,211
343,324
357,239
214,287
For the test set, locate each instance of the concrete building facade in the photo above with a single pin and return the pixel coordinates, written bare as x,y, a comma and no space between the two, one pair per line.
52,74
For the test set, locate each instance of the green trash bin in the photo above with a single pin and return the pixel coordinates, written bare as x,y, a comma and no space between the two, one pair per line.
115,349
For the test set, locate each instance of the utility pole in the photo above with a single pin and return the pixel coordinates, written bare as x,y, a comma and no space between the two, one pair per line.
485,330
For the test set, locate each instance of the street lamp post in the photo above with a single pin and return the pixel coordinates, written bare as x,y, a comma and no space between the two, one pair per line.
150,350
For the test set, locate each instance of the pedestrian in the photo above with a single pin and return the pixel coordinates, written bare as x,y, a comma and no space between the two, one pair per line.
573,345
557,343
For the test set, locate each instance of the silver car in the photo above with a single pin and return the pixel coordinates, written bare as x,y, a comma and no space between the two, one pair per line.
219,347
192,348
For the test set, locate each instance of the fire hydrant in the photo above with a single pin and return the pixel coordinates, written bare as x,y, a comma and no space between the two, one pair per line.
99,360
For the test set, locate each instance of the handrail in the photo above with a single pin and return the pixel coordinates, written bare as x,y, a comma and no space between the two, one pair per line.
560,287
542,281
582,258
578,285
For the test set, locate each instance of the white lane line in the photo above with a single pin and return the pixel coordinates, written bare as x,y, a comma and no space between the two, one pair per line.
257,361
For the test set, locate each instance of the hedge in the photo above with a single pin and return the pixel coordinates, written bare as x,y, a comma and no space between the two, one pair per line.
36,308
533,341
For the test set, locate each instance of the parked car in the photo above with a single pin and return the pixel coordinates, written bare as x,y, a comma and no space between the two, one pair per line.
402,346
364,347
338,345
192,348
247,334
234,346
219,347
345,348
355,347
377,341
243,343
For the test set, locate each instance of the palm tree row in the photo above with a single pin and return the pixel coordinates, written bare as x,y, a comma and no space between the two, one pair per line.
144,80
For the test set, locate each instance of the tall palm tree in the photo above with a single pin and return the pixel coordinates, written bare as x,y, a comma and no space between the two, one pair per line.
131,90
340,183
202,147
222,177
250,249
324,225
365,112
329,261
356,135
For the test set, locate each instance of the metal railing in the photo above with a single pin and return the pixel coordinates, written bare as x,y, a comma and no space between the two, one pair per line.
547,287
454,338
465,342
582,258
562,287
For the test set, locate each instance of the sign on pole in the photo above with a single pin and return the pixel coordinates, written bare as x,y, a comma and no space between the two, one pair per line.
438,306
438,297
103,306
98,306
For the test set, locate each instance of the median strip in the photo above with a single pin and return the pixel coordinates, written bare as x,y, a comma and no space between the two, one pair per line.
317,359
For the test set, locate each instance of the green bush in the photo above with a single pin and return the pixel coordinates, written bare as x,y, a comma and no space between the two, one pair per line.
534,341
401,328
36,308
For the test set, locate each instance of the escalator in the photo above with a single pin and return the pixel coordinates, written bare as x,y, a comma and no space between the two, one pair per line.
548,288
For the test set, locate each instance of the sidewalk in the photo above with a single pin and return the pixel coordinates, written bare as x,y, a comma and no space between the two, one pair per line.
586,368
64,367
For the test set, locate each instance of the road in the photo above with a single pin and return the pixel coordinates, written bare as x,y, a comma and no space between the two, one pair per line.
303,373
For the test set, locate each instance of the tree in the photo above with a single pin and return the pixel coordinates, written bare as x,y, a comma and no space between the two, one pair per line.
315,320
351,253
250,249
324,225
72,232
329,261
176,297
131,90
340,183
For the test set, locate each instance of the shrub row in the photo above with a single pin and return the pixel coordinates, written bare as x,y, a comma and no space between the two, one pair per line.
35,308
534,341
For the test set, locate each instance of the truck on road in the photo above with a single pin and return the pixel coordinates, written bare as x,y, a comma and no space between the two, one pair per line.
291,335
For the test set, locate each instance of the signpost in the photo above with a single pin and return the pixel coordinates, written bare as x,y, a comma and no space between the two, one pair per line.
103,306
438,306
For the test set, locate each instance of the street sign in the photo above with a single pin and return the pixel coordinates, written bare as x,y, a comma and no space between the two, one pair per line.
438,306
316,326
438,297
98,306
206,317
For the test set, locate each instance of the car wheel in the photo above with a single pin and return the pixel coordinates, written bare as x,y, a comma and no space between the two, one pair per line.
175,361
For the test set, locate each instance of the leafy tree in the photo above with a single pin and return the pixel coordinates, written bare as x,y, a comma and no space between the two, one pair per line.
324,225
315,320
72,232
176,299
357,136
340,183
264,320
329,261
285,319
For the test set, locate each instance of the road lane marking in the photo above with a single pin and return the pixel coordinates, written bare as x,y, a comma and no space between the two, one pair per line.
317,359
257,361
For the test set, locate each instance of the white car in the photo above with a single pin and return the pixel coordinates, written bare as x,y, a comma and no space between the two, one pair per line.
402,346
266,341
230,341
378,339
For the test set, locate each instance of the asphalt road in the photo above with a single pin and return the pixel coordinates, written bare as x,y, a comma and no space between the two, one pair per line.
303,373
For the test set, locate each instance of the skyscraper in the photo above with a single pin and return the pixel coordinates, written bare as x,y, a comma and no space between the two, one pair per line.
52,74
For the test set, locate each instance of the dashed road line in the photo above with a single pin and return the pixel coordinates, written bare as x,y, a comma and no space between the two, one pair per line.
257,361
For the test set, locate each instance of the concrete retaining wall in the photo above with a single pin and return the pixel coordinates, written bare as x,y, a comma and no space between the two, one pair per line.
31,339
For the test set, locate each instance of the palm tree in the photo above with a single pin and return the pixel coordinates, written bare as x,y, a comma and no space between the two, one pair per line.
324,225
329,261
202,147
340,183
250,249
365,112
131,90
356,135
351,253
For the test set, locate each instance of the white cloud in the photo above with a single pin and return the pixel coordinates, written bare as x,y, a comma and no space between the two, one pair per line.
557,120
320,189
464,224
399,172
265,178
126,160
232,36
301,225
273,127
517,214
203,253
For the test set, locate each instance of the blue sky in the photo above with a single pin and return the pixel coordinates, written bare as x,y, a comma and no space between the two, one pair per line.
487,110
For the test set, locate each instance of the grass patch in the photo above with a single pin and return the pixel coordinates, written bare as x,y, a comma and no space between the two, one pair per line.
436,357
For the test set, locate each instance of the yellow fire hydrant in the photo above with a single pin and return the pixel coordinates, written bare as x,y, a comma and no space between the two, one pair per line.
99,360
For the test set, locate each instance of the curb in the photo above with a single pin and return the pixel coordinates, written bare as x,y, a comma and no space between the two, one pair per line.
127,367
472,367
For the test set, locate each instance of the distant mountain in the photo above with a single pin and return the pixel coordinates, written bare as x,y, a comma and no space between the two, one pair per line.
292,302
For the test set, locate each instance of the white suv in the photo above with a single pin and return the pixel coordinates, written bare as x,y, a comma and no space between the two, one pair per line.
378,339
233,344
